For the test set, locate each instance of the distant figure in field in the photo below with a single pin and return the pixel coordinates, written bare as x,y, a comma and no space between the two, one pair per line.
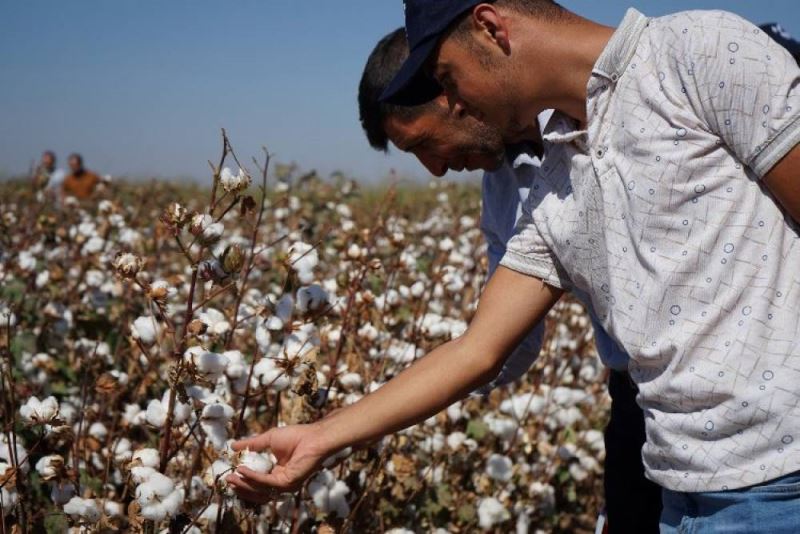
47,175
81,182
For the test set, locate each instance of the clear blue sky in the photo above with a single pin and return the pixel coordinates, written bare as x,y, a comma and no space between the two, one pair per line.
142,87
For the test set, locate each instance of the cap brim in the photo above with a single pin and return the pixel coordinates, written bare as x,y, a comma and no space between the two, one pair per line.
411,86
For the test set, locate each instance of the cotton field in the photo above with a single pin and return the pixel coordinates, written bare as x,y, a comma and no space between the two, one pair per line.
142,332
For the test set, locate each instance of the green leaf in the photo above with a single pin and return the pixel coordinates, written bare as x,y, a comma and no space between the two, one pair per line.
477,429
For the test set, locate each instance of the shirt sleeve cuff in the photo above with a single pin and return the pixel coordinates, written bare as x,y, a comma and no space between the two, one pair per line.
776,148
536,267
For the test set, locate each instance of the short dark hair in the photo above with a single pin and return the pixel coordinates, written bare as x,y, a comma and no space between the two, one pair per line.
382,65
77,156
544,9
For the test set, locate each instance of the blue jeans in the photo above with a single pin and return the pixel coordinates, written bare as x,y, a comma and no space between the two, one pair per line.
771,508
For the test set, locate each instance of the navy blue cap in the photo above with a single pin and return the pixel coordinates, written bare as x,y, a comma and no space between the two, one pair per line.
783,38
426,22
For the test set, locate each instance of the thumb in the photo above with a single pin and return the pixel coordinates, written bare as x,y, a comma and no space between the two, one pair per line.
254,443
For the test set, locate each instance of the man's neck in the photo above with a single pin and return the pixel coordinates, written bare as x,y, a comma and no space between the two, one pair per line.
564,56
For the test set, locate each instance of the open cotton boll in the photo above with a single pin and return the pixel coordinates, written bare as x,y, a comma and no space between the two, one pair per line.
491,512
147,457
234,183
311,299
141,474
36,412
329,494
85,509
214,420
351,381
264,338
49,467
209,364
156,414
145,329
499,467
519,406
303,259
215,321
5,451
159,498
267,373
256,461
215,473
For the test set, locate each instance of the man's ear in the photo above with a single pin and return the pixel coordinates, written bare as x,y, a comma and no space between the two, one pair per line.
492,26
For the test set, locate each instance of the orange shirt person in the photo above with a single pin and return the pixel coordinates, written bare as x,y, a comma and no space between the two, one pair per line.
80,183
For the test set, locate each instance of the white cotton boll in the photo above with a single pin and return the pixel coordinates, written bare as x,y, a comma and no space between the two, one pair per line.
256,461
214,420
156,414
568,396
329,495
7,317
264,338
446,244
344,210
216,472
311,299
209,364
122,450
266,373
501,426
300,343
133,415
523,405
159,498
491,512
577,472
285,309
595,440
26,261
98,431
456,439
94,245
273,323
148,457
417,289
5,451
113,509
86,509
566,417
368,332
61,492
36,412
49,467
94,278
433,444
237,367
351,381
303,259
141,474
234,182
215,321
499,467
454,412
400,531
354,252
145,330
42,279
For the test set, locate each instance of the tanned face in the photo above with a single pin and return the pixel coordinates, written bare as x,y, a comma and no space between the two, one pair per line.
48,161
75,164
443,139
476,71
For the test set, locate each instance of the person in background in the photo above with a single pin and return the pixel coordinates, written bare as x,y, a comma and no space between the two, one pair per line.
47,175
443,139
783,38
81,183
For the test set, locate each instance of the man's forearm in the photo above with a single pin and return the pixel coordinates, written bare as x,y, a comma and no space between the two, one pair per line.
431,384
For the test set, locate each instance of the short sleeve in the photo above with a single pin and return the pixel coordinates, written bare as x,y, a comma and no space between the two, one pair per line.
528,253
744,86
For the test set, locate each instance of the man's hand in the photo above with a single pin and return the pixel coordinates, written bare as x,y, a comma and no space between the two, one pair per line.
299,452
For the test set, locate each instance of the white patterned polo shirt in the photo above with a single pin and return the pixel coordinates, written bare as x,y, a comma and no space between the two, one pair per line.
689,263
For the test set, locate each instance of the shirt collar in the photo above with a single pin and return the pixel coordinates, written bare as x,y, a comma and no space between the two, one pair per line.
522,154
620,49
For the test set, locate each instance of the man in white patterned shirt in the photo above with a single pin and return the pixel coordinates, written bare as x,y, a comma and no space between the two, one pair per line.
676,219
